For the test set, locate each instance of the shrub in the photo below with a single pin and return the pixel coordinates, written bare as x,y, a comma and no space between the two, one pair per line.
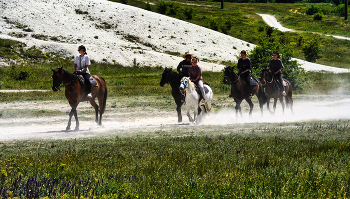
173,9
162,7
312,49
312,10
269,30
188,13
318,16
148,7
213,24
125,1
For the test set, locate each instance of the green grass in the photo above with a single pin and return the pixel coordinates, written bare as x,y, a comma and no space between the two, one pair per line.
302,160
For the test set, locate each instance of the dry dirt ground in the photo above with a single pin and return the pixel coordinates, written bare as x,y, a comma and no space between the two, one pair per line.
141,115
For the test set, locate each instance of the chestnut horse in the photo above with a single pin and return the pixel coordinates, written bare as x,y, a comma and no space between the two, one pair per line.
273,90
238,90
173,78
75,93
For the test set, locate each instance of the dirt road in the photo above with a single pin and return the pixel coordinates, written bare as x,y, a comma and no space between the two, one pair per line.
48,119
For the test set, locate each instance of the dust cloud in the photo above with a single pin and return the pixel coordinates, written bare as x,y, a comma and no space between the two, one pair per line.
305,108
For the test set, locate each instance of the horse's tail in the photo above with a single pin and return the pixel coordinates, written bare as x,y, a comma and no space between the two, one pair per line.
288,97
102,110
261,93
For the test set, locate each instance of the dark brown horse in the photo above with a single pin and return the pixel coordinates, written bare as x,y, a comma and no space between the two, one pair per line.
173,78
273,90
75,93
239,93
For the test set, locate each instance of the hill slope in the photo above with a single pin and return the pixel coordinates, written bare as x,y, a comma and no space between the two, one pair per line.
113,31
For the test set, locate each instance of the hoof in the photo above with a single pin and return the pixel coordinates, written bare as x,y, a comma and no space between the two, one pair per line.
76,129
67,128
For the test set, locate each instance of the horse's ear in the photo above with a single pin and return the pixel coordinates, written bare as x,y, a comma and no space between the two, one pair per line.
61,68
52,70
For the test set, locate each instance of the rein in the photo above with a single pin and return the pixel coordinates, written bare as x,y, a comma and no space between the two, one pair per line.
67,83
270,81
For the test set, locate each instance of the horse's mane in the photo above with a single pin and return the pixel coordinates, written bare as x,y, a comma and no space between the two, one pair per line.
68,75
190,83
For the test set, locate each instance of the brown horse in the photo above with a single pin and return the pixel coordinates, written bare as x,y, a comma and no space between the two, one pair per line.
238,90
75,93
273,90
173,78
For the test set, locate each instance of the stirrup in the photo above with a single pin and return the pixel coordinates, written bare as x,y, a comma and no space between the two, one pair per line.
284,93
250,96
89,95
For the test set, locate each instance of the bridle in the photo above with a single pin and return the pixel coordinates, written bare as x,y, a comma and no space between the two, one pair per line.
239,77
271,77
58,88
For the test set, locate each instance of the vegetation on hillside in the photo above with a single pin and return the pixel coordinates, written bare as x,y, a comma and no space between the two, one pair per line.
241,21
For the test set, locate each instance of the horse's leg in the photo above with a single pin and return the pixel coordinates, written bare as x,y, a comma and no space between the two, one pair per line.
282,102
195,112
93,104
188,112
178,110
268,104
76,120
70,119
274,104
251,105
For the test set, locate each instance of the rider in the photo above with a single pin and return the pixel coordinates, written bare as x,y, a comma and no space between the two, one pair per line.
275,67
195,73
185,64
245,70
81,63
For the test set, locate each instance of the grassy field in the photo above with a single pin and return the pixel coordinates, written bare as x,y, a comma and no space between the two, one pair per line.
289,160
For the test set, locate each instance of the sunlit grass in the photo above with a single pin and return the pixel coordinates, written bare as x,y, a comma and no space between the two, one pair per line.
292,160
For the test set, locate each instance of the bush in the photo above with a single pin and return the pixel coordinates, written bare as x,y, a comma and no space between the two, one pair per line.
148,7
188,13
312,10
162,7
312,49
213,24
318,16
269,30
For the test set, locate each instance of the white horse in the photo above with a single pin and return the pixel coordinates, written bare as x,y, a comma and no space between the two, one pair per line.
192,98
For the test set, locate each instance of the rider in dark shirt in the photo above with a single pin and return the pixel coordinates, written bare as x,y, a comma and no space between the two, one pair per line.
275,67
245,71
185,64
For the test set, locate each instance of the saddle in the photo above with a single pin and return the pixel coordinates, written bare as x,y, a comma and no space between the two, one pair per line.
205,88
253,82
91,79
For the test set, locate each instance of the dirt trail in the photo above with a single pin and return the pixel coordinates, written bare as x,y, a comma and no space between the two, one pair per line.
138,119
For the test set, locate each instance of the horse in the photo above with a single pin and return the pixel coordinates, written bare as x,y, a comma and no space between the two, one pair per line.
238,90
273,90
75,93
173,78
192,98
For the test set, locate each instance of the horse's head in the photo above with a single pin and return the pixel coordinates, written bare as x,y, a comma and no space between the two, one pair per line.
184,83
57,78
165,77
227,75
265,76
